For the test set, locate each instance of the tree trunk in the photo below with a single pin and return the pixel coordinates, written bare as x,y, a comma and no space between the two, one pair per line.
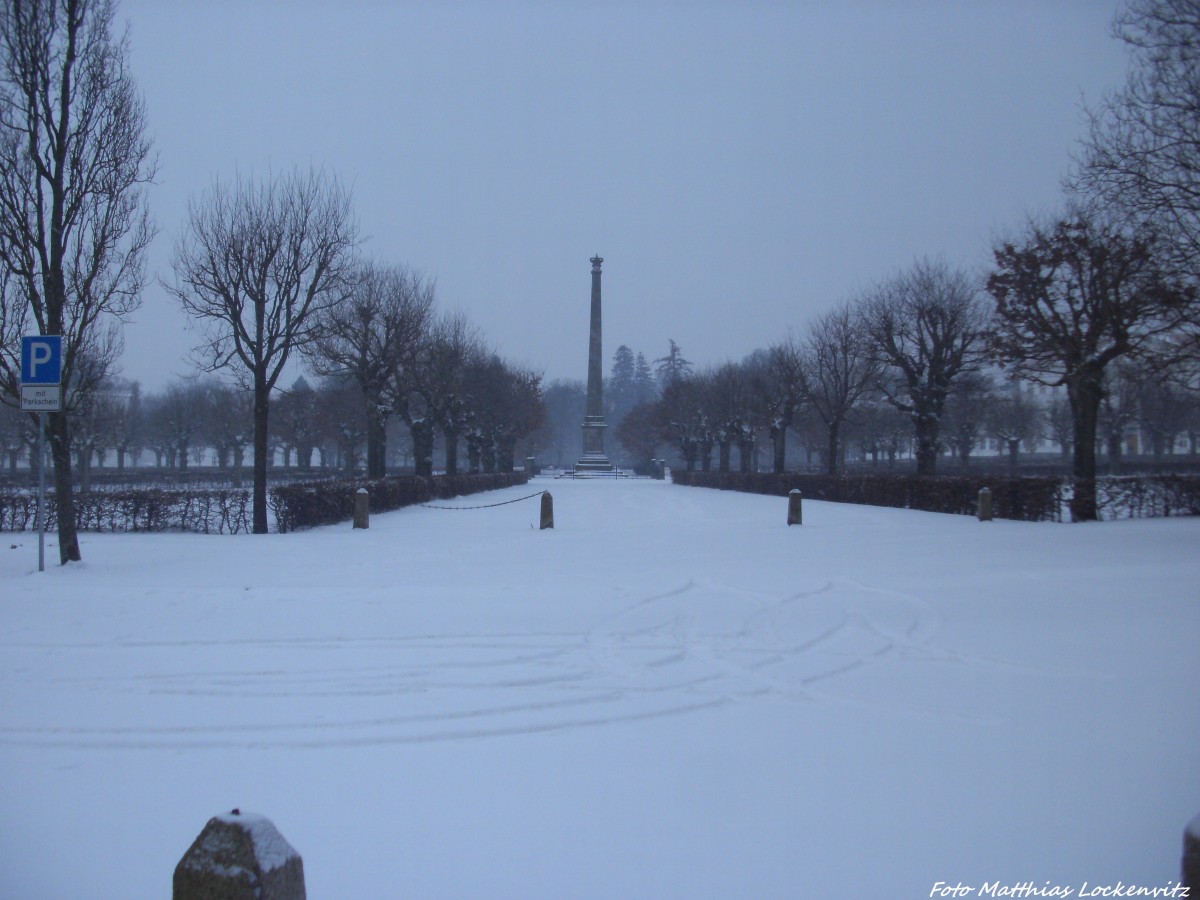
84,462
506,449
451,451
1085,396
1114,453
261,452
927,445
746,456
779,446
831,458
64,496
1014,450
422,442
723,455
376,444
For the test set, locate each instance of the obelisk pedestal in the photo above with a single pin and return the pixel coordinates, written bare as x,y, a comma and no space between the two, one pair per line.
593,459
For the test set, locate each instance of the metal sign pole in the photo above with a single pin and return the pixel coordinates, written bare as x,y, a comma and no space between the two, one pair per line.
41,392
41,510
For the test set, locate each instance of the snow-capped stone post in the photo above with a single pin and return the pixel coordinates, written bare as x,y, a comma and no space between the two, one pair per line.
362,508
985,504
1191,855
547,510
239,856
795,507
530,466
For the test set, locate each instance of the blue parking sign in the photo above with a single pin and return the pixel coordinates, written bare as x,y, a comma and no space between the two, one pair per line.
41,359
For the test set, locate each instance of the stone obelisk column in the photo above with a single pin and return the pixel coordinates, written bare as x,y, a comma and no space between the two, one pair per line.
593,459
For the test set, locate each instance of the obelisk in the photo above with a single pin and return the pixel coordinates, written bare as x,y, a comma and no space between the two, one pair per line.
593,459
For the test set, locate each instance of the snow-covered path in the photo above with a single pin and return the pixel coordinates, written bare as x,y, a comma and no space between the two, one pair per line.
671,694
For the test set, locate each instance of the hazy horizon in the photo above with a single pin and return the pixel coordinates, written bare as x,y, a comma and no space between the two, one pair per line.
739,167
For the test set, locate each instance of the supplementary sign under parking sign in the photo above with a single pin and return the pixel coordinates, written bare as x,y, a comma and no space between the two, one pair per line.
41,397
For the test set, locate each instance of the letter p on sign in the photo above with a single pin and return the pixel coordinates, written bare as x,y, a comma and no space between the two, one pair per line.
41,359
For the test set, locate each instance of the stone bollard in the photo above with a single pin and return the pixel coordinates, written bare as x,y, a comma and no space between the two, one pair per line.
530,466
362,509
239,856
795,507
1190,877
985,504
547,510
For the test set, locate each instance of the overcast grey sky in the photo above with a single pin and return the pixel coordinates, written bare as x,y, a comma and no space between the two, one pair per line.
741,166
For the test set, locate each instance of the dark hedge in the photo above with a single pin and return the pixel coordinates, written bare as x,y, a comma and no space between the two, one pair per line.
206,512
1148,496
328,502
228,511
1039,499
1030,499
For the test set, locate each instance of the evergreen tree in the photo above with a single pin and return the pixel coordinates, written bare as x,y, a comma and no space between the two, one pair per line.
672,367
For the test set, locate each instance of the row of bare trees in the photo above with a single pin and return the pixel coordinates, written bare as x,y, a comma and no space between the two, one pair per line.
1069,303
1111,282
268,268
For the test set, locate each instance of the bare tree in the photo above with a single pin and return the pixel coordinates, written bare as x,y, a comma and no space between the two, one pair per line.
837,368
781,387
729,406
296,422
177,420
925,327
443,376
227,423
506,402
640,434
683,410
74,226
1072,298
14,428
371,338
1163,411
566,405
964,414
1013,418
1118,412
128,428
257,264
1057,416
1142,152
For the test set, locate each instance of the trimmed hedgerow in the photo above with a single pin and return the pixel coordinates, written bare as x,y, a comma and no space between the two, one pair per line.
228,511
1148,496
202,511
328,502
1030,499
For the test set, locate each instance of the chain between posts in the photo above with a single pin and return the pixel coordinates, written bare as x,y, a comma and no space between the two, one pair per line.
484,506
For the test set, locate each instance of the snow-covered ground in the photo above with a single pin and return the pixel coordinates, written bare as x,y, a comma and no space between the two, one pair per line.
671,694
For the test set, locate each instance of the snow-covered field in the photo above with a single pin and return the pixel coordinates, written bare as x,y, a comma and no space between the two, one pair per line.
671,694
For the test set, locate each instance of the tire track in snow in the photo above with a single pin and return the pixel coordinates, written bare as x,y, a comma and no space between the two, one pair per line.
696,647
